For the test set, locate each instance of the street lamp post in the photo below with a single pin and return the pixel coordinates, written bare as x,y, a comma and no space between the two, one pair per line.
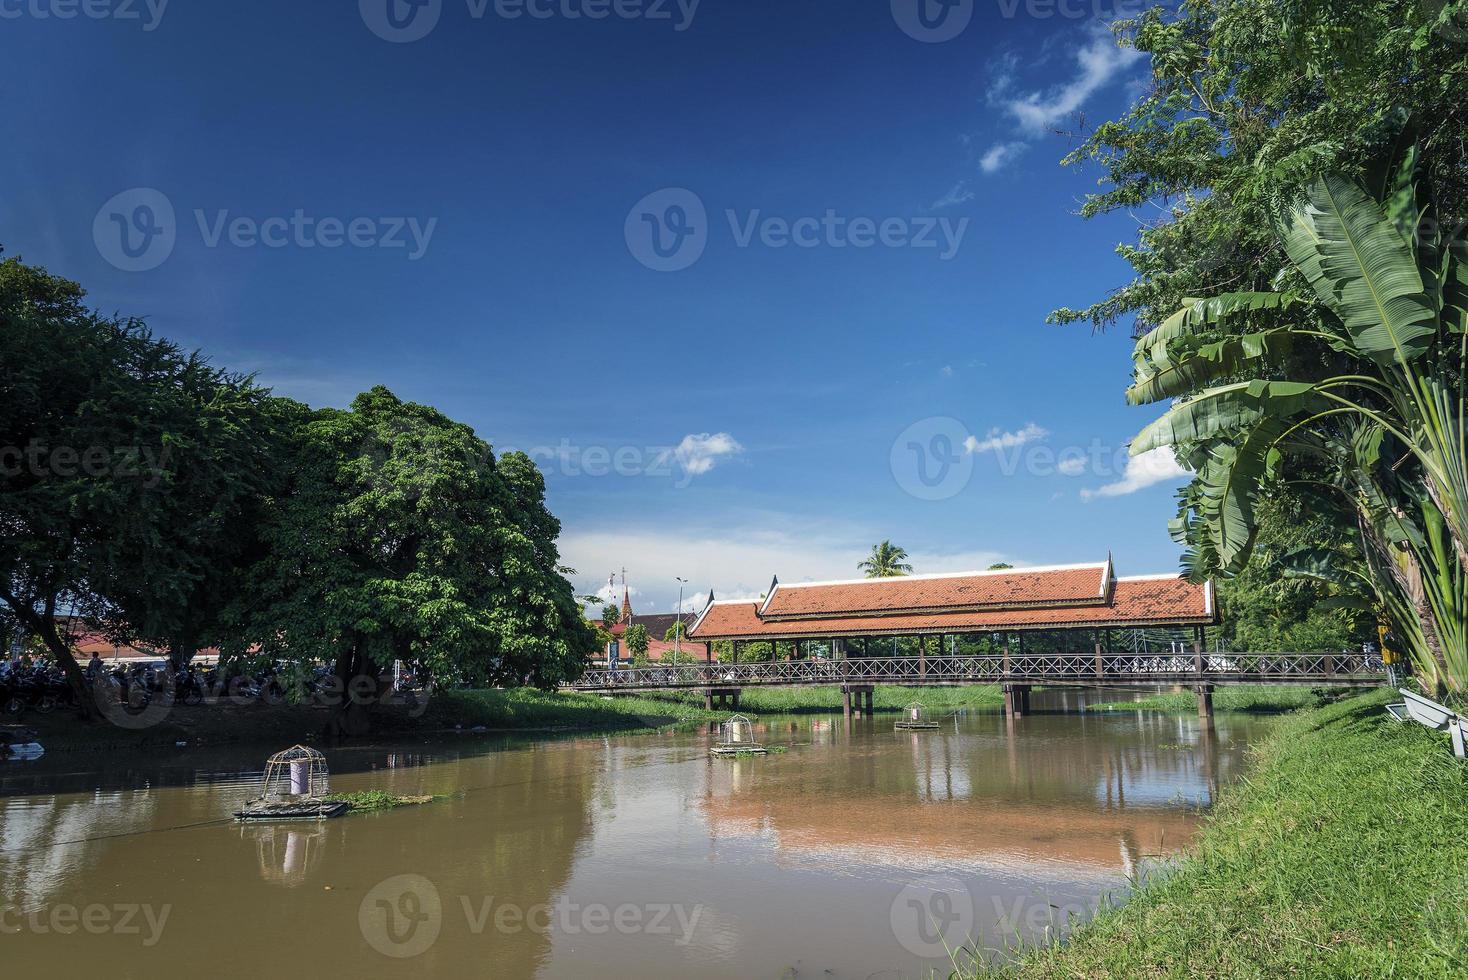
678,623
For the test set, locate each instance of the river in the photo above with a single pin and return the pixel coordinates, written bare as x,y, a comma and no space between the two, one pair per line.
855,852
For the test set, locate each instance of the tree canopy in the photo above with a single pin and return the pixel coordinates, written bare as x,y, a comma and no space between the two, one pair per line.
176,504
1300,296
1248,100
886,561
403,537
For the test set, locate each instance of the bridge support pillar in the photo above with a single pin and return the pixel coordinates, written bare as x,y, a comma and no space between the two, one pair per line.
846,703
708,700
871,696
1016,700
1205,700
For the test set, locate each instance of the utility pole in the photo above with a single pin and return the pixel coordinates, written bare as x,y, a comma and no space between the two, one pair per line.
678,623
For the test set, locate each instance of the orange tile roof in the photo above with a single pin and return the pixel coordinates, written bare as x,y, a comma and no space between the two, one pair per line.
1067,585
1146,601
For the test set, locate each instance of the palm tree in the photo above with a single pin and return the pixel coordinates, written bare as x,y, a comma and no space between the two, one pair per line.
1347,383
886,561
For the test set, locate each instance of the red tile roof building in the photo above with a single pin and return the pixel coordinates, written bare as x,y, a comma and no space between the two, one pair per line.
1008,600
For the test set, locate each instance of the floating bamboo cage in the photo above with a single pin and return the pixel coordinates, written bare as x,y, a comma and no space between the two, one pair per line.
915,718
736,737
297,782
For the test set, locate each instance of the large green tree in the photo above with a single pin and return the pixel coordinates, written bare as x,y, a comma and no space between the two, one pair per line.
125,461
1248,100
403,537
1346,383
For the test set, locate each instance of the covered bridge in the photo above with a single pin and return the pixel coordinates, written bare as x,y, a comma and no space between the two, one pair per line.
1078,607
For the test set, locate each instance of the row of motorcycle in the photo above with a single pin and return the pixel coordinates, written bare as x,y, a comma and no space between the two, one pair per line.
43,688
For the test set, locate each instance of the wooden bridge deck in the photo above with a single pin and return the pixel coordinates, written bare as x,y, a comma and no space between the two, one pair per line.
1049,670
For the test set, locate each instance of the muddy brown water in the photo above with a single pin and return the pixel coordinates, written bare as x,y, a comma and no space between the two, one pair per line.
856,852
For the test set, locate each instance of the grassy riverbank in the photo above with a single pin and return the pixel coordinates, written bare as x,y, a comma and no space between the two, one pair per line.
1342,853
1259,698
526,708
827,698
520,709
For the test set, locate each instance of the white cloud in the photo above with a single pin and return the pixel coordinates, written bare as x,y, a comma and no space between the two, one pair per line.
958,194
1071,465
613,590
998,155
1150,468
997,439
1098,61
946,371
700,453
737,562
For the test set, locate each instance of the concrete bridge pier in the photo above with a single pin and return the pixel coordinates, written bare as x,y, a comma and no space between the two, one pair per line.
1205,700
1016,700
864,695
723,698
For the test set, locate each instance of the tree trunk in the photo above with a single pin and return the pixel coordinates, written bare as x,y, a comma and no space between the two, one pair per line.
43,624
356,676
76,678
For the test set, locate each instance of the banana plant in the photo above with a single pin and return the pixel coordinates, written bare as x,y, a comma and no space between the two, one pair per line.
1358,359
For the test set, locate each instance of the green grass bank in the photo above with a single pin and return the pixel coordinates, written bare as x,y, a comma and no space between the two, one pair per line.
529,709
823,698
1260,698
1342,853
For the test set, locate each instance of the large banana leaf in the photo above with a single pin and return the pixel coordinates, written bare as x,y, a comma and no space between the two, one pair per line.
1228,408
1188,364
1199,315
1229,486
1361,267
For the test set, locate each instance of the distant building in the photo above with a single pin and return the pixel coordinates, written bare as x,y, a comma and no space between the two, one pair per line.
658,626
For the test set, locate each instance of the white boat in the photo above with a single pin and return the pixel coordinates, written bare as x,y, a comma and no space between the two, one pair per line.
1425,712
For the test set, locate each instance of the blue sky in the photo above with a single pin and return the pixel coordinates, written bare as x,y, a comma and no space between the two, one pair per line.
837,337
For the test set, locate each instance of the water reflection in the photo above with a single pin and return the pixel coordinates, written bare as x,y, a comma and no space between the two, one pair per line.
287,852
792,861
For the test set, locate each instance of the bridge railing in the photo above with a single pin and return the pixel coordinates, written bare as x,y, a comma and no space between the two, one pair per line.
997,668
